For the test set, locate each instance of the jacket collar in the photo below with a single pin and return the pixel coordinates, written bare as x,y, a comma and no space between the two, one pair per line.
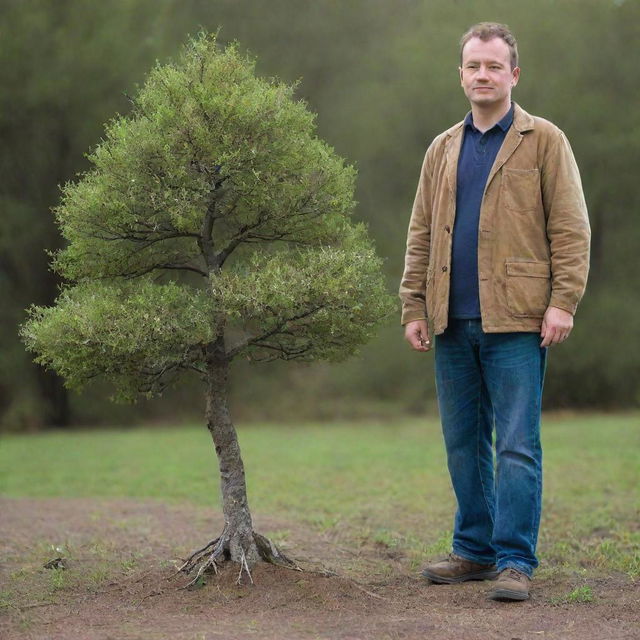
522,122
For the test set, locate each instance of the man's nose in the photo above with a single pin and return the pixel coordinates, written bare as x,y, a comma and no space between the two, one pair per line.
482,73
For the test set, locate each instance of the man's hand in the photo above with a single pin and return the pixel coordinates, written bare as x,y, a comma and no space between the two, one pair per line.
556,326
417,334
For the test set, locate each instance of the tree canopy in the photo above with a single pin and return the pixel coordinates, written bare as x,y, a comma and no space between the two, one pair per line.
211,211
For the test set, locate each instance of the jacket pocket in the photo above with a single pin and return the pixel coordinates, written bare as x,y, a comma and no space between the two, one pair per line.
521,189
528,284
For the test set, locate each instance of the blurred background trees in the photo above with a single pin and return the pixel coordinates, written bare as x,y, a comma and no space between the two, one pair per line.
382,76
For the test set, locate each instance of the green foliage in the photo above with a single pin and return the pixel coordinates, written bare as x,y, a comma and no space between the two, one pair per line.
580,595
216,172
138,334
309,303
205,135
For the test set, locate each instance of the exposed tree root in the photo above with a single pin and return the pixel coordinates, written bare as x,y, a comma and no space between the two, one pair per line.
218,551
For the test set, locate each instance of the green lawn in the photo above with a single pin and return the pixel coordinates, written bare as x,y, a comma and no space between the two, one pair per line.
365,481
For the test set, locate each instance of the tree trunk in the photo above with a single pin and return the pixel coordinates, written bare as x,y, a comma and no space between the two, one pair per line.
237,518
238,541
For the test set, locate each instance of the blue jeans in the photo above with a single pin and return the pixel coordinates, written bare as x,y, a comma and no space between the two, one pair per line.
488,381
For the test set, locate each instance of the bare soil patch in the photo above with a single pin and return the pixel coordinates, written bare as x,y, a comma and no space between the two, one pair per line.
120,557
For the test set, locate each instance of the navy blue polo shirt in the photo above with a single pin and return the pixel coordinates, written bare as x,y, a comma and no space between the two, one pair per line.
478,152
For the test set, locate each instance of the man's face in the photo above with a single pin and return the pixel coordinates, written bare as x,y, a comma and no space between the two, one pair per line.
486,75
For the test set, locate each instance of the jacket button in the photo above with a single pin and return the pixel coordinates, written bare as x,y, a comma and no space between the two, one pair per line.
444,269
447,228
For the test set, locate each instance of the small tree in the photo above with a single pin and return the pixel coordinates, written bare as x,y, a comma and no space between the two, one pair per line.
212,224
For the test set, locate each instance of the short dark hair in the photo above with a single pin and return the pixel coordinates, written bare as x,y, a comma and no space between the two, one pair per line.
489,30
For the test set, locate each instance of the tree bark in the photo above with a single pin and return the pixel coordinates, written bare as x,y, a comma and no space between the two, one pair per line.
238,528
238,541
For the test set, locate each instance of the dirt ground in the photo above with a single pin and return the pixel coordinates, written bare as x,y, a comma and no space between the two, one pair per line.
119,583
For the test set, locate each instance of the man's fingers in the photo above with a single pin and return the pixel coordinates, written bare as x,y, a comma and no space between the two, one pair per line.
553,335
556,326
414,340
417,334
547,338
421,341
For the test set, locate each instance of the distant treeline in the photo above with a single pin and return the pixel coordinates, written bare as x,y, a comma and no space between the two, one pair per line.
382,76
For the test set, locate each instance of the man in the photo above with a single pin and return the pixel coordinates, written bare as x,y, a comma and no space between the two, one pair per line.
496,263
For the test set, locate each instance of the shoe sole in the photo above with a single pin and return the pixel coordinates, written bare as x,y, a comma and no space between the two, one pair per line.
506,594
478,575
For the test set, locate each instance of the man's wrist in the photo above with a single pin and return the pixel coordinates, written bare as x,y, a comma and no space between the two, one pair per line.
559,303
412,316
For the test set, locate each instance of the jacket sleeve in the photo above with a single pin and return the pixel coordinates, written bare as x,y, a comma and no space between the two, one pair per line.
413,284
567,222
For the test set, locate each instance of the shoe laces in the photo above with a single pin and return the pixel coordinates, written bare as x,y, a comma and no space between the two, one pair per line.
514,574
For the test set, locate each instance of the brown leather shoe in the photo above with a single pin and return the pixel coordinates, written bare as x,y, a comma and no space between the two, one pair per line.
511,584
456,569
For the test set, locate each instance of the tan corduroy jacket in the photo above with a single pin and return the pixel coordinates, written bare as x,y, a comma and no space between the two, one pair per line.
533,236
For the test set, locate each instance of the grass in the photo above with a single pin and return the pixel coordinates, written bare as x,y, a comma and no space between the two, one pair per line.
385,484
579,595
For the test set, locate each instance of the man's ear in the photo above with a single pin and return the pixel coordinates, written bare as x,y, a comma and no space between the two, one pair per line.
515,76
460,72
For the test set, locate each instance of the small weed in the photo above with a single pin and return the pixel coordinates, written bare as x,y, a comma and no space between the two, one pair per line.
580,595
6,598
98,576
26,622
57,580
129,564
609,549
252,625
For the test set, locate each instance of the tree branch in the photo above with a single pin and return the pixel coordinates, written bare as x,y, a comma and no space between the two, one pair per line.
245,235
177,267
255,340
290,351
205,240
238,238
142,237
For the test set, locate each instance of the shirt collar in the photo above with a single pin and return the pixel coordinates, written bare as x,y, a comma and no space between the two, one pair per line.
504,124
